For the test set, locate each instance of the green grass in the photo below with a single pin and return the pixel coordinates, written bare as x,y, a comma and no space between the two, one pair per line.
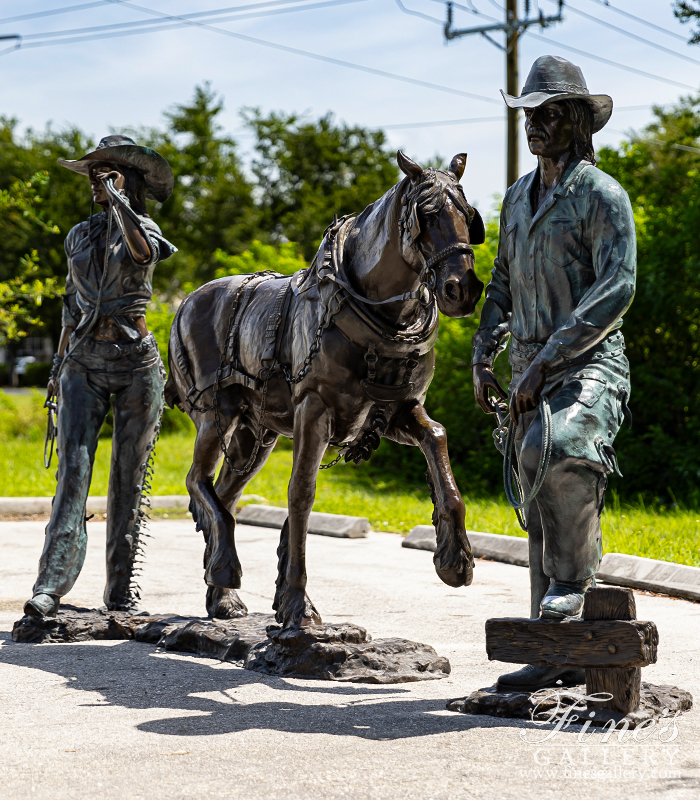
389,502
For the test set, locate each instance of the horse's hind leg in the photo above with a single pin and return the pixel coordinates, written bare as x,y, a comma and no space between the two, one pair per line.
221,564
453,558
224,603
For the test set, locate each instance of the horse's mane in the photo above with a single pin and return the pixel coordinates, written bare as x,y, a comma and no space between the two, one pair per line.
432,191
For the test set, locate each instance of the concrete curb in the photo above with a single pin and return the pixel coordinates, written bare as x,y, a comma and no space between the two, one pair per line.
663,577
338,525
617,569
494,546
95,505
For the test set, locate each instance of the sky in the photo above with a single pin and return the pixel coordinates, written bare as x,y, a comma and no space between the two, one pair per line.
128,81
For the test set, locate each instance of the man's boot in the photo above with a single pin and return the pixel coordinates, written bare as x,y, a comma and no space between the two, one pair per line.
563,600
531,678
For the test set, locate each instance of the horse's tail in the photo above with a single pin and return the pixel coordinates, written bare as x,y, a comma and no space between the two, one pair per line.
171,392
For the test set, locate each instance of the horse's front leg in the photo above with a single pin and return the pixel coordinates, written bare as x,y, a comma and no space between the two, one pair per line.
312,433
453,558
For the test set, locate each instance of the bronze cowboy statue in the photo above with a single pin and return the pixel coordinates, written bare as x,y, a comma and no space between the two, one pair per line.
563,278
339,354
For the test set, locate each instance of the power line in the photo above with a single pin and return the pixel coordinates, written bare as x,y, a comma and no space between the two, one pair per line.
235,10
614,63
639,19
631,35
53,12
181,21
439,123
595,57
418,14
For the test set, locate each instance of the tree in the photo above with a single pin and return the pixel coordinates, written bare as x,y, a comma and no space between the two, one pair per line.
660,168
22,293
687,11
308,170
212,207
477,465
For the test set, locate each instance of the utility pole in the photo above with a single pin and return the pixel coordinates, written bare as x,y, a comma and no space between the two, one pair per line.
512,28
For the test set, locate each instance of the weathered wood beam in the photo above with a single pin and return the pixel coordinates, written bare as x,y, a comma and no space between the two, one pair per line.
578,643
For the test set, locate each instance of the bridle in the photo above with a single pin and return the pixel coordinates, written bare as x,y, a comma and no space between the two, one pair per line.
410,231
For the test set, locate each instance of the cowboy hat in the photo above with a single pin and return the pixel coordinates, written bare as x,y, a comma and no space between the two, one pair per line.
121,150
554,78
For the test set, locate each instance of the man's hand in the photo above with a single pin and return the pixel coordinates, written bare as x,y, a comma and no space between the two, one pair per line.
527,393
485,381
50,390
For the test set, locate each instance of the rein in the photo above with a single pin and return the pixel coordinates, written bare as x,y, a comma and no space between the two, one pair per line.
427,278
504,438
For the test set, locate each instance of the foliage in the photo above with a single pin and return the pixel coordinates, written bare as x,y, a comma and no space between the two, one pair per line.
308,170
211,207
687,11
474,458
661,454
23,291
22,418
65,200
283,258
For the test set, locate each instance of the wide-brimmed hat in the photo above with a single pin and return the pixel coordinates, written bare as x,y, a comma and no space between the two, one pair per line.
554,78
118,149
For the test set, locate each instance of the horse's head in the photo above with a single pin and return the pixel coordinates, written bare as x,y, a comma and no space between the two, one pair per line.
438,227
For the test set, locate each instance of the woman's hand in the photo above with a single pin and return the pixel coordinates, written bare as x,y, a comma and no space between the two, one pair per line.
114,175
485,381
527,393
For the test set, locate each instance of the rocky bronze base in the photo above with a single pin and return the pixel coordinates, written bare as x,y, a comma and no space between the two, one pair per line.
656,702
342,652
345,653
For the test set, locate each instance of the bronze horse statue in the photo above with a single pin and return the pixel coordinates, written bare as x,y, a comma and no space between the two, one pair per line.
339,354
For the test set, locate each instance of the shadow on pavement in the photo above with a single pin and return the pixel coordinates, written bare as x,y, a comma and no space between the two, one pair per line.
133,675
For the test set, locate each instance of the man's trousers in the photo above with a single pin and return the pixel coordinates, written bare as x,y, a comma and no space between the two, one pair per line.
588,401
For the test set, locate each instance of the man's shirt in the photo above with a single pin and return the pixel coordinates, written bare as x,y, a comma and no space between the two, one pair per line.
565,275
128,286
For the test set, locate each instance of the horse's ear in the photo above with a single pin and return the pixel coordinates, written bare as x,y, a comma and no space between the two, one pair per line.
457,165
408,167
477,233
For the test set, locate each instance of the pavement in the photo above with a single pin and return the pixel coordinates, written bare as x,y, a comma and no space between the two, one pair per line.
125,720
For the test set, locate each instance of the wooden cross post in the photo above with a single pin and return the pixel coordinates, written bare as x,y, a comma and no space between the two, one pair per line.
609,642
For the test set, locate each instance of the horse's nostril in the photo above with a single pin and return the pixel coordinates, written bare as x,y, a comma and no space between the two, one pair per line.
452,291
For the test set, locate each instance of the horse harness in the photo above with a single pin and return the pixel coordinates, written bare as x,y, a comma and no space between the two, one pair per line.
351,313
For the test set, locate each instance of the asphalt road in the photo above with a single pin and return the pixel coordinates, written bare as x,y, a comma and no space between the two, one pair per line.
123,720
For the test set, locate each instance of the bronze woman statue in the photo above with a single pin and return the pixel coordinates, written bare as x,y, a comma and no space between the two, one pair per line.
106,351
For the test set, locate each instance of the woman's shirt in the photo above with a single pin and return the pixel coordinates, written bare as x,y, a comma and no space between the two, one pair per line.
128,286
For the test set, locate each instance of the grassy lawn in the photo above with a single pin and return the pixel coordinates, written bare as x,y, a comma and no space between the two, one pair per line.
388,502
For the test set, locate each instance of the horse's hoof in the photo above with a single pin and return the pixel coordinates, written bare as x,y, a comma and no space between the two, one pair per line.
294,609
224,604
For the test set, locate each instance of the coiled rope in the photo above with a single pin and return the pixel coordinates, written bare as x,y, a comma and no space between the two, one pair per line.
504,437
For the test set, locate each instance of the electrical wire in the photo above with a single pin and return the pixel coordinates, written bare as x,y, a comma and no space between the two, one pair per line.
639,19
419,14
629,34
181,21
586,54
610,63
227,12
53,12
440,123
